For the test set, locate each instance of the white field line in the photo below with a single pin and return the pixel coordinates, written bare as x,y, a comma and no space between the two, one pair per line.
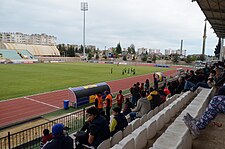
42,102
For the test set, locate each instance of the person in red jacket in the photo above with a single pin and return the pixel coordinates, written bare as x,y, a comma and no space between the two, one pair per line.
120,99
47,137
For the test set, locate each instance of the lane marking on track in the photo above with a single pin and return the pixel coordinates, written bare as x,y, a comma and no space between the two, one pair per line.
42,102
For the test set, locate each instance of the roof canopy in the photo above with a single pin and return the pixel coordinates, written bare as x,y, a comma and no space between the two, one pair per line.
214,11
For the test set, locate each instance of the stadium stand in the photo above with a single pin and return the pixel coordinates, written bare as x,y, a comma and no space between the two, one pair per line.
10,54
25,54
36,50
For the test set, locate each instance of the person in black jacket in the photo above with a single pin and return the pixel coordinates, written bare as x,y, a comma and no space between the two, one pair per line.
61,140
119,122
99,128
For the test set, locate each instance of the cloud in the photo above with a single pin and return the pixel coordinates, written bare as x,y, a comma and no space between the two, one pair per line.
144,23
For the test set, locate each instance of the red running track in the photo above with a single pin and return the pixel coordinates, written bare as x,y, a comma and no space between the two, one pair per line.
20,109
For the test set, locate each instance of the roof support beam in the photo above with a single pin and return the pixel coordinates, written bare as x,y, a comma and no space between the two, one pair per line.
214,10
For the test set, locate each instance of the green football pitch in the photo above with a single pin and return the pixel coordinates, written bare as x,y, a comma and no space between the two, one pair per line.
18,80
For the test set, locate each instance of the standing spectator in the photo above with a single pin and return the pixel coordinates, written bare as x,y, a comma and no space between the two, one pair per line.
120,99
127,107
60,140
108,100
47,137
99,101
147,85
142,87
143,107
119,122
156,81
135,93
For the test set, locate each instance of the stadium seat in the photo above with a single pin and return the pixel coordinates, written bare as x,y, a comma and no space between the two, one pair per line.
140,137
135,123
127,142
143,119
150,115
150,125
116,138
105,144
127,130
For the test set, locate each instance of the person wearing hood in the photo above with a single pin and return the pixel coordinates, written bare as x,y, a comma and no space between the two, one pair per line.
143,107
154,98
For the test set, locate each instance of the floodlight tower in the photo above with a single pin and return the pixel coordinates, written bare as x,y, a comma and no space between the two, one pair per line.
84,7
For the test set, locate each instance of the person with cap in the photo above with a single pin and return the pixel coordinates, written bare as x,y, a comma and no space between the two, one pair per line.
108,101
98,127
119,122
60,139
216,105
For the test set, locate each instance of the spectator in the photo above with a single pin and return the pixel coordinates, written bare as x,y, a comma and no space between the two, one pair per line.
210,83
120,99
180,86
47,137
142,87
60,140
216,105
108,100
127,107
143,107
147,85
119,122
154,98
135,94
156,81
99,101
99,128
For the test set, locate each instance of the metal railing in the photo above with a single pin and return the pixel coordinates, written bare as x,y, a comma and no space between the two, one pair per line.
31,137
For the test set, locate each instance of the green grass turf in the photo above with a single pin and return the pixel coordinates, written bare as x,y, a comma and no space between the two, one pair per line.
18,80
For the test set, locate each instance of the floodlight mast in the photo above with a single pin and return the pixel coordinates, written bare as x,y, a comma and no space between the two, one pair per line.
84,7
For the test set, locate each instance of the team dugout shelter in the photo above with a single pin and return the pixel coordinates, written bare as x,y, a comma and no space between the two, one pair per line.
80,96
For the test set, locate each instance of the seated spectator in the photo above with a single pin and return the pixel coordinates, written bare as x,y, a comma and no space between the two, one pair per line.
127,107
180,87
162,94
143,107
210,82
60,140
99,128
119,122
154,98
47,137
120,99
216,105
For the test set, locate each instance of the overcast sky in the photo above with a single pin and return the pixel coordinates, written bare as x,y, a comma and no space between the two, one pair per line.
160,24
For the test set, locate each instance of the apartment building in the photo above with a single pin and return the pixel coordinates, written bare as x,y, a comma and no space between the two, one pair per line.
36,39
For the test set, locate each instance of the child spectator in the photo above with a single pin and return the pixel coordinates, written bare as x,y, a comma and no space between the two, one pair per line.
119,122
47,137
